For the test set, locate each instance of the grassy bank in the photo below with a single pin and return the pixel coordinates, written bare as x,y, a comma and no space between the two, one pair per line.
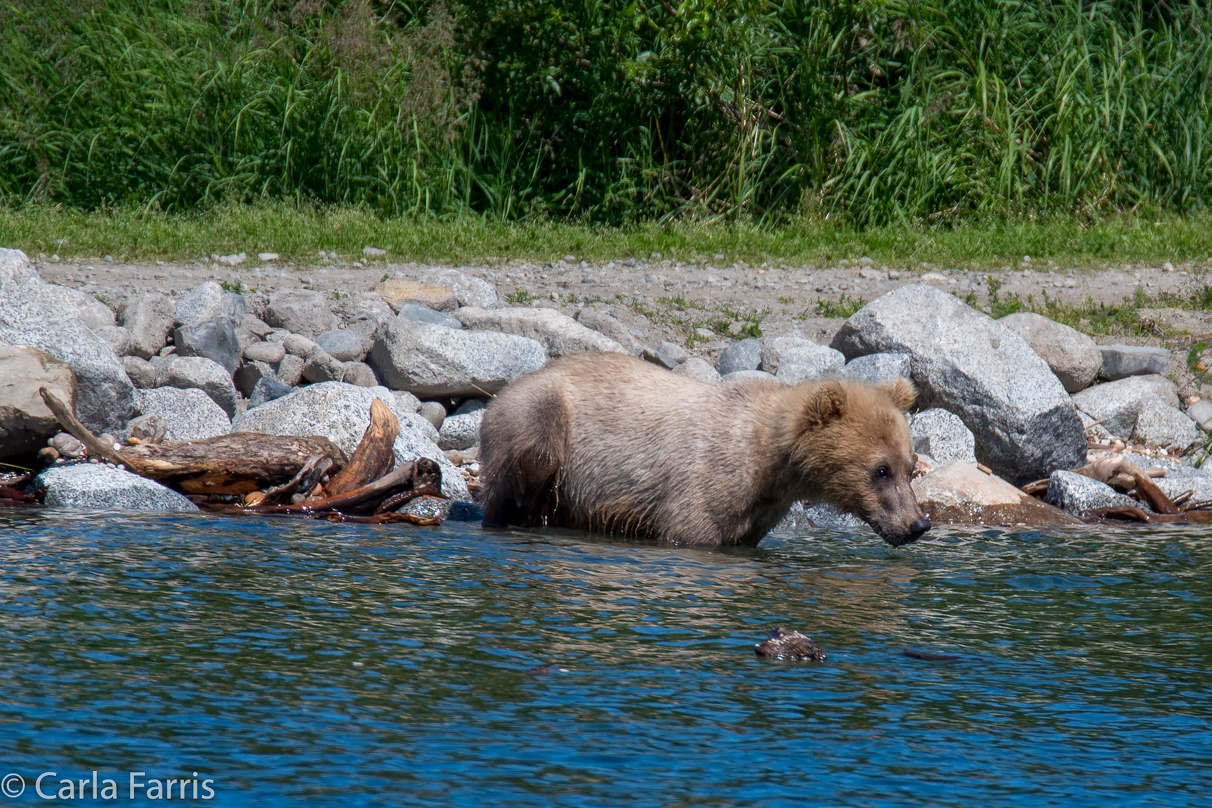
614,111
299,233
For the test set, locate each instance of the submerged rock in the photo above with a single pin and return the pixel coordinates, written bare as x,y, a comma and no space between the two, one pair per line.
789,646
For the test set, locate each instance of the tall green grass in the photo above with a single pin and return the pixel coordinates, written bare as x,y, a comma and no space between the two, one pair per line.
869,111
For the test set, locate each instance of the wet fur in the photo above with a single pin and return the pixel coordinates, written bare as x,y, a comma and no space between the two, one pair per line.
610,443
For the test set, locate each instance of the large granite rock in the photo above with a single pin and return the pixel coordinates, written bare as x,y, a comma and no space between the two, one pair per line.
25,420
341,413
561,334
210,300
430,361
422,314
188,414
1122,361
198,372
879,368
399,291
116,337
96,486
942,436
1166,426
92,312
214,338
1075,493
149,319
33,314
962,494
964,361
1118,404
345,345
1073,356
462,430
300,311
362,312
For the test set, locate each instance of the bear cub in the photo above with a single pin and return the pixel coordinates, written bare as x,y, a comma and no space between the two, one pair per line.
609,443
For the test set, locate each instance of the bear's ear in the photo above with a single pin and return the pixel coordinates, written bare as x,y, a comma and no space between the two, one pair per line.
823,406
902,393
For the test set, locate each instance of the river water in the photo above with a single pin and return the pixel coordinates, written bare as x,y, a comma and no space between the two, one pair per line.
287,662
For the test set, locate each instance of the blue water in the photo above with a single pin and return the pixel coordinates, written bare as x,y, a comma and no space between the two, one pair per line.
298,663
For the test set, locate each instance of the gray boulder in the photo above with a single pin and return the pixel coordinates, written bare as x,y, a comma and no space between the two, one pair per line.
214,339
772,350
743,355
744,375
423,314
1025,425
429,360
462,430
149,319
210,300
250,373
321,367
92,312
295,344
603,323
433,412
1118,404
561,334
1073,356
341,413
188,414
1201,413
1076,494
879,368
1179,481
301,312
268,352
700,369
96,486
290,370
204,374
116,337
359,373
141,373
468,290
25,420
32,314
1165,426
806,361
267,389
362,312
943,436
344,345
1122,361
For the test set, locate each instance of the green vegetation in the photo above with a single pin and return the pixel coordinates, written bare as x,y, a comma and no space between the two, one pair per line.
299,232
871,112
844,306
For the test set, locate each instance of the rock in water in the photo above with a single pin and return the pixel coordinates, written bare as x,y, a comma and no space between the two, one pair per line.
25,420
789,646
429,360
32,314
962,494
1075,493
341,413
964,361
95,486
1073,356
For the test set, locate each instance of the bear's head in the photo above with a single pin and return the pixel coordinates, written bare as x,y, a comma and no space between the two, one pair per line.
851,443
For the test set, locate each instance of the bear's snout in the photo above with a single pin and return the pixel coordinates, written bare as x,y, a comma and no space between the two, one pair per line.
911,534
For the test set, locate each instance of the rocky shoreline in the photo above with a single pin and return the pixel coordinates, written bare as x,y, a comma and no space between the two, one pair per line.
185,352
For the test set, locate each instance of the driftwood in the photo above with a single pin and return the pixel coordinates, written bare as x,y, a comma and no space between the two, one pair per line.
236,463
302,484
79,431
373,456
421,477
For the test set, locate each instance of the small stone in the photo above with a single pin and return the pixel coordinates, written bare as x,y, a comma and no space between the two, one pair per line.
268,389
743,355
322,367
148,428
671,354
433,412
232,260
47,455
214,339
570,259
699,369
359,374
195,371
67,446
267,257
373,252
149,319
209,300
290,370
808,361
96,487
142,373
1201,413
743,375
268,352
301,312
461,430
345,345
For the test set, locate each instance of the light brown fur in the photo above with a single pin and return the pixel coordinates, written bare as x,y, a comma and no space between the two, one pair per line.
610,443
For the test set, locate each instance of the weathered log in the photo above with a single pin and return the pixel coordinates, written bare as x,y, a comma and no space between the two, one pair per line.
373,457
236,463
422,475
302,483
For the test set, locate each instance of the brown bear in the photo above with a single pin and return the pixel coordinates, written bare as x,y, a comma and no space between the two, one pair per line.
610,443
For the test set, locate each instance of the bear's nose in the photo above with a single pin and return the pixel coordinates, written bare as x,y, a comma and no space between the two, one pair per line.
919,526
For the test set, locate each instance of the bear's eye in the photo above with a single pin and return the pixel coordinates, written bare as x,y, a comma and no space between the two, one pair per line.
883,471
